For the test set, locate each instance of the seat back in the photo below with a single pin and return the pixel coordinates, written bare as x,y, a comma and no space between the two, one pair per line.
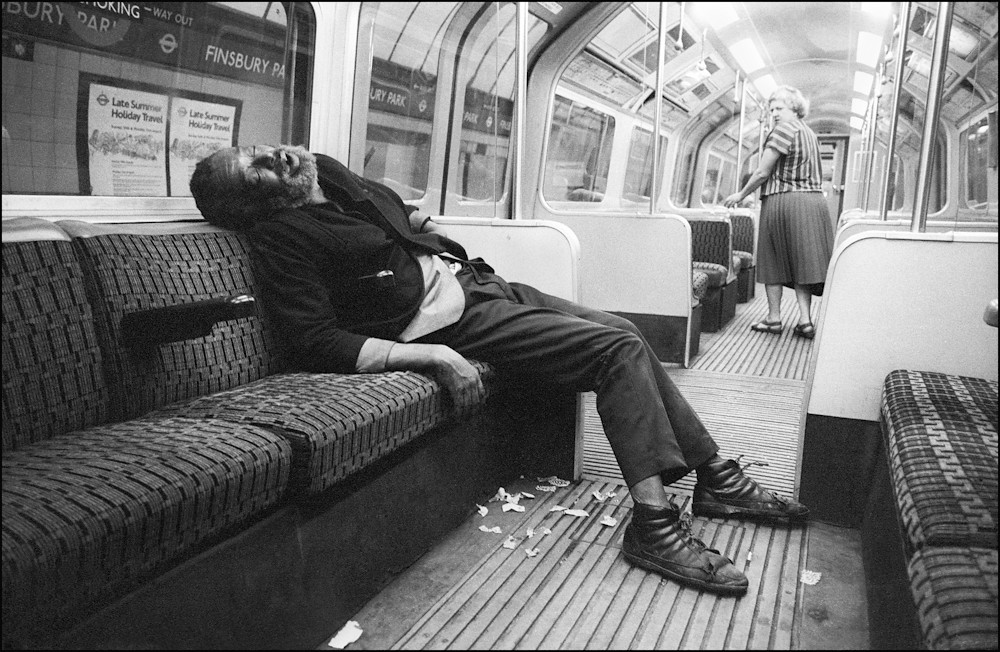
53,376
131,268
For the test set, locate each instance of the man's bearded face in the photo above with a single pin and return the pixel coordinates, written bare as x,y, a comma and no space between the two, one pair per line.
284,175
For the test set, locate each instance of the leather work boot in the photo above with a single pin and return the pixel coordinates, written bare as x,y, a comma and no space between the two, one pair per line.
724,490
658,539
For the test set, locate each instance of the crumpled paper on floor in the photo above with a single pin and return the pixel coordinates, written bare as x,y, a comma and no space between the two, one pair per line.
349,633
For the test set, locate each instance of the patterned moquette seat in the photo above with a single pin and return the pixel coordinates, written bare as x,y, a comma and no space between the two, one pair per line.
941,443
955,592
711,254
337,424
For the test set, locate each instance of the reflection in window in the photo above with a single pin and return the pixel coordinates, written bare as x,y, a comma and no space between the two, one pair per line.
639,171
393,158
579,153
406,45
979,179
719,181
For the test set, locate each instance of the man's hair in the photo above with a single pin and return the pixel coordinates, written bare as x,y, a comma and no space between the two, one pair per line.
793,97
222,202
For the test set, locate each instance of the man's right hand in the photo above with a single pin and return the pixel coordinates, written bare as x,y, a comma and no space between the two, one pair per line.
459,378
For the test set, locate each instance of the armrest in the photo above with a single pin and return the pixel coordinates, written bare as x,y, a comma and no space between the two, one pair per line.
183,321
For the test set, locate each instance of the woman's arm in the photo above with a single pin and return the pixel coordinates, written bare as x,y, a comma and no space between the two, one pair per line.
768,160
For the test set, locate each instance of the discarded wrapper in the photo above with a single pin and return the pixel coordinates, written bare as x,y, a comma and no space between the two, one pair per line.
349,633
512,506
531,552
810,577
609,521
554,480
482,510
495,529
510,543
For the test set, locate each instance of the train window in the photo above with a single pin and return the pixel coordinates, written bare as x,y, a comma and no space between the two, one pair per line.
578,156
639,170
718,181
122,99
406,45
429,140
488,106
980,189
683,174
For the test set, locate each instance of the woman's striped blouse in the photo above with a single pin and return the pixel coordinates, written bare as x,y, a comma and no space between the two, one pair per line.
799,166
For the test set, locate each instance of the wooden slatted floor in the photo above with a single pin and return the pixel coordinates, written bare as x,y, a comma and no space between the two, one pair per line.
737,350
579,592
754,417
748,389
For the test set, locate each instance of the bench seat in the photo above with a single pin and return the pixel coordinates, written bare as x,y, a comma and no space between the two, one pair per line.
939,435
942,440
133,470
336,424
91,513
712,254
955,593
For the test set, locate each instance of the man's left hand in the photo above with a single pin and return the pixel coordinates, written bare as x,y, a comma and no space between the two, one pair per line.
418,219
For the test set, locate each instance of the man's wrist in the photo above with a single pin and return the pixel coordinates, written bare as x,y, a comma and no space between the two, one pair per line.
423,224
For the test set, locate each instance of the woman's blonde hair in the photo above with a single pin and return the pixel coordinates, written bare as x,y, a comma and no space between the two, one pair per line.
793,97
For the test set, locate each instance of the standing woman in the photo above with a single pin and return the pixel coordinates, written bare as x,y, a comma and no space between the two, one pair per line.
796,235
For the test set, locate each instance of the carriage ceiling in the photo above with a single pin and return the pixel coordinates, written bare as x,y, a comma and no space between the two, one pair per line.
831,51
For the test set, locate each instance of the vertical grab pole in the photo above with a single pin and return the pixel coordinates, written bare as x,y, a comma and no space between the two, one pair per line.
654,181
741,86
897,89
931,112
521,75
872,127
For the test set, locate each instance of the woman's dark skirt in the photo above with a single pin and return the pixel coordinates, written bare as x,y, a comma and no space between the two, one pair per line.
795,241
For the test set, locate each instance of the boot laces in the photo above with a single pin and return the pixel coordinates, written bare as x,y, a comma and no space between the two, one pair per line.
686,521
769,493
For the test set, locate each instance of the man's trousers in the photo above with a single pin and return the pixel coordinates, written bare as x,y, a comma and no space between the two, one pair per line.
529,334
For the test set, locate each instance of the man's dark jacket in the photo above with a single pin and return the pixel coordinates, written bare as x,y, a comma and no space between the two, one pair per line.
319,267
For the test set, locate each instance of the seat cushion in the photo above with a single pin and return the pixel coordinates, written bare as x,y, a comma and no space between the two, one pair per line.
955,592
718,275
941,443
745,258
88,514
699,284
335,423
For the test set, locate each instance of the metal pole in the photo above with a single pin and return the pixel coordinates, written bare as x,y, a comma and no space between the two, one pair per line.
872,127
931,111
739,134
658,108
897,89
521,75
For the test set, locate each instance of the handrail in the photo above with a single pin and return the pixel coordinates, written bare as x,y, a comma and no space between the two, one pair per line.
897,89
654,188
931,112
521,74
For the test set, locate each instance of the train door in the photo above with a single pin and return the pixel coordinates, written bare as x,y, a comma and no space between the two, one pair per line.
833,152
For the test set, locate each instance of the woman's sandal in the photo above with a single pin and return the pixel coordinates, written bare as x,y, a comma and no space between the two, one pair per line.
765,326
807,331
